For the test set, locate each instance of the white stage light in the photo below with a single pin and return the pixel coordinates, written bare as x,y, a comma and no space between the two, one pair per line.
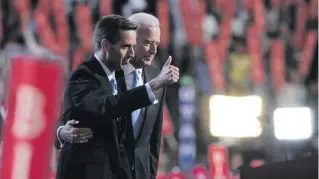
235,116
293,123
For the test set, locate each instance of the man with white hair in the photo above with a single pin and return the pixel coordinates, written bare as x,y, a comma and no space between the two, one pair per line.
143,147
144,132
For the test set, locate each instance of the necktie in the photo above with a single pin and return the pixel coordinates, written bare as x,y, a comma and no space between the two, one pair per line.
114,85
136,113
114,88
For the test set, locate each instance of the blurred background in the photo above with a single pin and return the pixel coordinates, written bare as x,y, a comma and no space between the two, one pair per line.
249,70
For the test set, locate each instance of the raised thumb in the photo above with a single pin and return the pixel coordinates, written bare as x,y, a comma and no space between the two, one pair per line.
168,62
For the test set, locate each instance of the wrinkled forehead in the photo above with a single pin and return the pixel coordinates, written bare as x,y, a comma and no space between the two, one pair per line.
153,32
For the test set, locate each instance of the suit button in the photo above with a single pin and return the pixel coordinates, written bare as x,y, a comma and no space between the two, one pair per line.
133,167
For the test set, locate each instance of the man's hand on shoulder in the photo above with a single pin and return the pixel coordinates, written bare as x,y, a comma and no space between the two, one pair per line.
168,75
70,134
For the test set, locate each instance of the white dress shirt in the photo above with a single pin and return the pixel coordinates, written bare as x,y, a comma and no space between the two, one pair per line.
110,75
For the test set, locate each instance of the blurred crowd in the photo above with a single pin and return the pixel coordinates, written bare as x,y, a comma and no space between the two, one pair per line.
282,20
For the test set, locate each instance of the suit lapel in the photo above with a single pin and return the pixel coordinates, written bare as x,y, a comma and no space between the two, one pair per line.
97,69
101,75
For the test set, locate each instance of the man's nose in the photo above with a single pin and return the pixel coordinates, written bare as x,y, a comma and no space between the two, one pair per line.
153,49
131,52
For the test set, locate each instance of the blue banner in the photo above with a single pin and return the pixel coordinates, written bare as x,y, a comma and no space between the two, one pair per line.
187,132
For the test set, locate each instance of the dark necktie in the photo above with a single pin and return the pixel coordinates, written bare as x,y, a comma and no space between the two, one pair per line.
119,76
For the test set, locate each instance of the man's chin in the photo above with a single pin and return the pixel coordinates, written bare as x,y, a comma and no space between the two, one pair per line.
148,63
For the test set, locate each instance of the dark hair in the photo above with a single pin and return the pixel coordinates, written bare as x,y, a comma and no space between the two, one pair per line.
108,27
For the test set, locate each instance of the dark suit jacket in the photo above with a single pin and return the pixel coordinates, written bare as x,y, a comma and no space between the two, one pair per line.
88,98
143,152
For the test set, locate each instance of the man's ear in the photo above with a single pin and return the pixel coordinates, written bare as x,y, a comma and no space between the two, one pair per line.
105,45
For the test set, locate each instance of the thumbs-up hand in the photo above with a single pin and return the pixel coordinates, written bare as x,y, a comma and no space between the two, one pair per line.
169,72
168,75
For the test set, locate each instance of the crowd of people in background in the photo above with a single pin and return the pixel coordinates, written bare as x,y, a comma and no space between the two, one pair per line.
280,23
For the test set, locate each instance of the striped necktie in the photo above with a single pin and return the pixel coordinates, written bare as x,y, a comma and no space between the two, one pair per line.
114,85
136,113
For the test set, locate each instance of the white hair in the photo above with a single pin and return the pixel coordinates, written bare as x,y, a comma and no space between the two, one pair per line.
142,19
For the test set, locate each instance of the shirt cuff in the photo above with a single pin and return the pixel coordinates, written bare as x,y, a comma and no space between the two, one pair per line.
58,136
150,93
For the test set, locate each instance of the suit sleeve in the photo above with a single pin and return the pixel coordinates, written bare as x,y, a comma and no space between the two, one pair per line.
89,97
155,141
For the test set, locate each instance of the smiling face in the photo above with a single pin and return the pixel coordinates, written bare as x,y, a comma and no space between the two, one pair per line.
148,39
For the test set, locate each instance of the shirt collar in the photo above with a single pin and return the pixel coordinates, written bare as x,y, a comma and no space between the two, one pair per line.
128,69
139,71
107,71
